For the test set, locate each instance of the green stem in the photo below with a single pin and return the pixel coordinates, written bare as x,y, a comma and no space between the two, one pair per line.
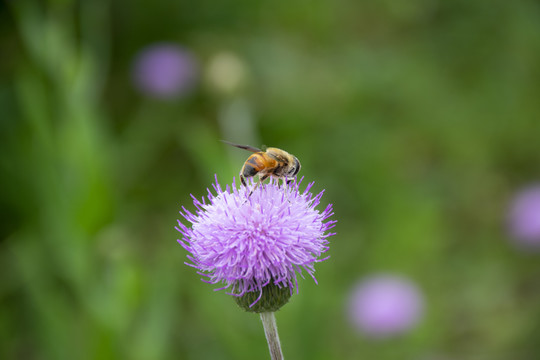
270,330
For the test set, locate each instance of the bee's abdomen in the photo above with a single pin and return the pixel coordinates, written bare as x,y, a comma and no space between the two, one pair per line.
253,165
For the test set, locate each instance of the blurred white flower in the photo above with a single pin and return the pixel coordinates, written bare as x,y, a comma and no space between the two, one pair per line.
226,72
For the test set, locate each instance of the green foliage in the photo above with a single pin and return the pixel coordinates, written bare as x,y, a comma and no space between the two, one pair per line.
419,118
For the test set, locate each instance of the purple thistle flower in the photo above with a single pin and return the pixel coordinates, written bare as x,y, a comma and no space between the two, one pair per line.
524,217
165,71
247,242
384,305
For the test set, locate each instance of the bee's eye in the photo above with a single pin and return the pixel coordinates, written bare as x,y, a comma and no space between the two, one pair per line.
296,167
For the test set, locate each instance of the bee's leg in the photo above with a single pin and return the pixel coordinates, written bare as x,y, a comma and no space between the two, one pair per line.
261,179
244,182
286,182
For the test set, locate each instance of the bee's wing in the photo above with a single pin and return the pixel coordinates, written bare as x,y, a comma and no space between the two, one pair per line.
245,147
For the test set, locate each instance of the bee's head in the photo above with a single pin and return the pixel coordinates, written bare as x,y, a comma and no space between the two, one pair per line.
295,168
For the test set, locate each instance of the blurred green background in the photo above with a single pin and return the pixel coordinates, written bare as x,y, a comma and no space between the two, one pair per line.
419,118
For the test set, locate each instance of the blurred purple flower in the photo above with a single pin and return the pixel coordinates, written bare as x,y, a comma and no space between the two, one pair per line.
246,242
385,305
165,71
524,217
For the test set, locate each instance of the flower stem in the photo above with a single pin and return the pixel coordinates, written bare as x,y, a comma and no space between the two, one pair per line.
270,330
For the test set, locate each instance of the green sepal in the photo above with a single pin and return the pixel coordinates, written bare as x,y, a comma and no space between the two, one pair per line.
272,299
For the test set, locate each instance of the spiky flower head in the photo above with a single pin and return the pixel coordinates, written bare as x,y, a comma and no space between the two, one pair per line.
258,243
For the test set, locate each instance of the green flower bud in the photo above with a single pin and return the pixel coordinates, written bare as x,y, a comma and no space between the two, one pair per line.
272,299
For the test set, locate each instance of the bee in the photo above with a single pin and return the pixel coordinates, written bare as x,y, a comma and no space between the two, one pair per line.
270,162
